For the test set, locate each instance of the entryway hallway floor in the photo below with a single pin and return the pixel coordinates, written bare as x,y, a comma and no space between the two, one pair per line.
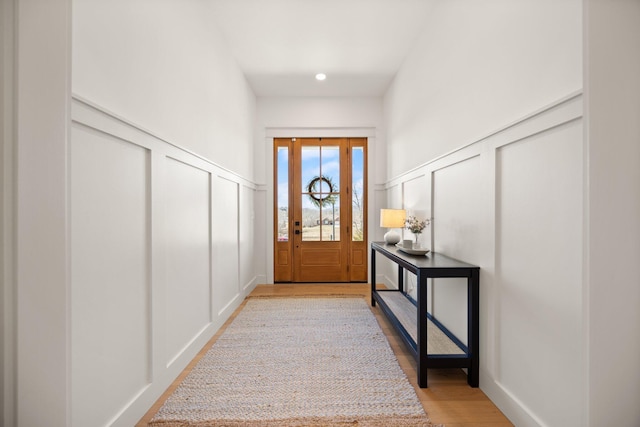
448,400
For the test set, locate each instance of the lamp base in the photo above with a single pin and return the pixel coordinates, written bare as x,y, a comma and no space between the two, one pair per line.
391,237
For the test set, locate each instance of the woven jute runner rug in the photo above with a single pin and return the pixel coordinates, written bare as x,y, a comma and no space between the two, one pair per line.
297,362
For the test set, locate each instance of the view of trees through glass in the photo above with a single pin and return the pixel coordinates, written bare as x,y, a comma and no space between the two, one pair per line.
357,194
282,190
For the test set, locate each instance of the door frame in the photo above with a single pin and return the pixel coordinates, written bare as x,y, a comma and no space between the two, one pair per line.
303,261
376,197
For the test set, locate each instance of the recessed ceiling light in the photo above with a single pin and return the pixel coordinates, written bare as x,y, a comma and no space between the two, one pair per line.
321,76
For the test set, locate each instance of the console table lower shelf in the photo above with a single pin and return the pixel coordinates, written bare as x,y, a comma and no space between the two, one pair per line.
403,314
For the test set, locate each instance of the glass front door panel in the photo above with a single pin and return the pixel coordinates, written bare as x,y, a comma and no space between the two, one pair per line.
320,174
331,219
283,194
357,194
310,167
330,169
310,222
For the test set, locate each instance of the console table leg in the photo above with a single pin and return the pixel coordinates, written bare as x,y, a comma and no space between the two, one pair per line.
422,330
373,277
473,327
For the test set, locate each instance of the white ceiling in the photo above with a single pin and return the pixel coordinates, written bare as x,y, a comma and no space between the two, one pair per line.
281,44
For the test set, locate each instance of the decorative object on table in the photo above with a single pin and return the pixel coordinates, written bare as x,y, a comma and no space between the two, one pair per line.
412,250
392,218
407,243
416,226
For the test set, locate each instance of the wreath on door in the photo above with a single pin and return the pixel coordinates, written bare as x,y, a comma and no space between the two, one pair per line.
322,199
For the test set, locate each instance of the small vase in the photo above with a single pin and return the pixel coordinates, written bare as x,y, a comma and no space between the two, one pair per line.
416,245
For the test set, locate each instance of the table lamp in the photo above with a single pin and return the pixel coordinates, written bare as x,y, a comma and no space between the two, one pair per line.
392,218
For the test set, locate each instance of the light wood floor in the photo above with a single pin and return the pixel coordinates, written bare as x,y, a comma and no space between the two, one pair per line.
448,399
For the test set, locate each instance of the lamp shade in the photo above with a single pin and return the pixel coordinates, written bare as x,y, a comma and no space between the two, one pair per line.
392,218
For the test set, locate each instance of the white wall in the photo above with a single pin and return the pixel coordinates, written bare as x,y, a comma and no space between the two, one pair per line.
41,288
477,67
167,69
612,300
161,255
484,135
110,274
122,266
162,210
324,115
316,117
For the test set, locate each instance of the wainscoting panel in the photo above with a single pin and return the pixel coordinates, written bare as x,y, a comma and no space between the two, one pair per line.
160,238
246,234
457,201
110,292
376,233
387,271
511,202
416,201
260,250
416,192
188,254
538,268
226,244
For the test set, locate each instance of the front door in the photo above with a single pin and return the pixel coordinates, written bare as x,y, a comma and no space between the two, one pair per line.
320,218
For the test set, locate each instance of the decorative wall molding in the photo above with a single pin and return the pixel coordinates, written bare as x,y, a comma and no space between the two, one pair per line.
525,410
564,110
224,295
92,115
229,307
554,125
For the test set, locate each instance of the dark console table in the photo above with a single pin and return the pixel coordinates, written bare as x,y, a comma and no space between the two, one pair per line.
413,322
